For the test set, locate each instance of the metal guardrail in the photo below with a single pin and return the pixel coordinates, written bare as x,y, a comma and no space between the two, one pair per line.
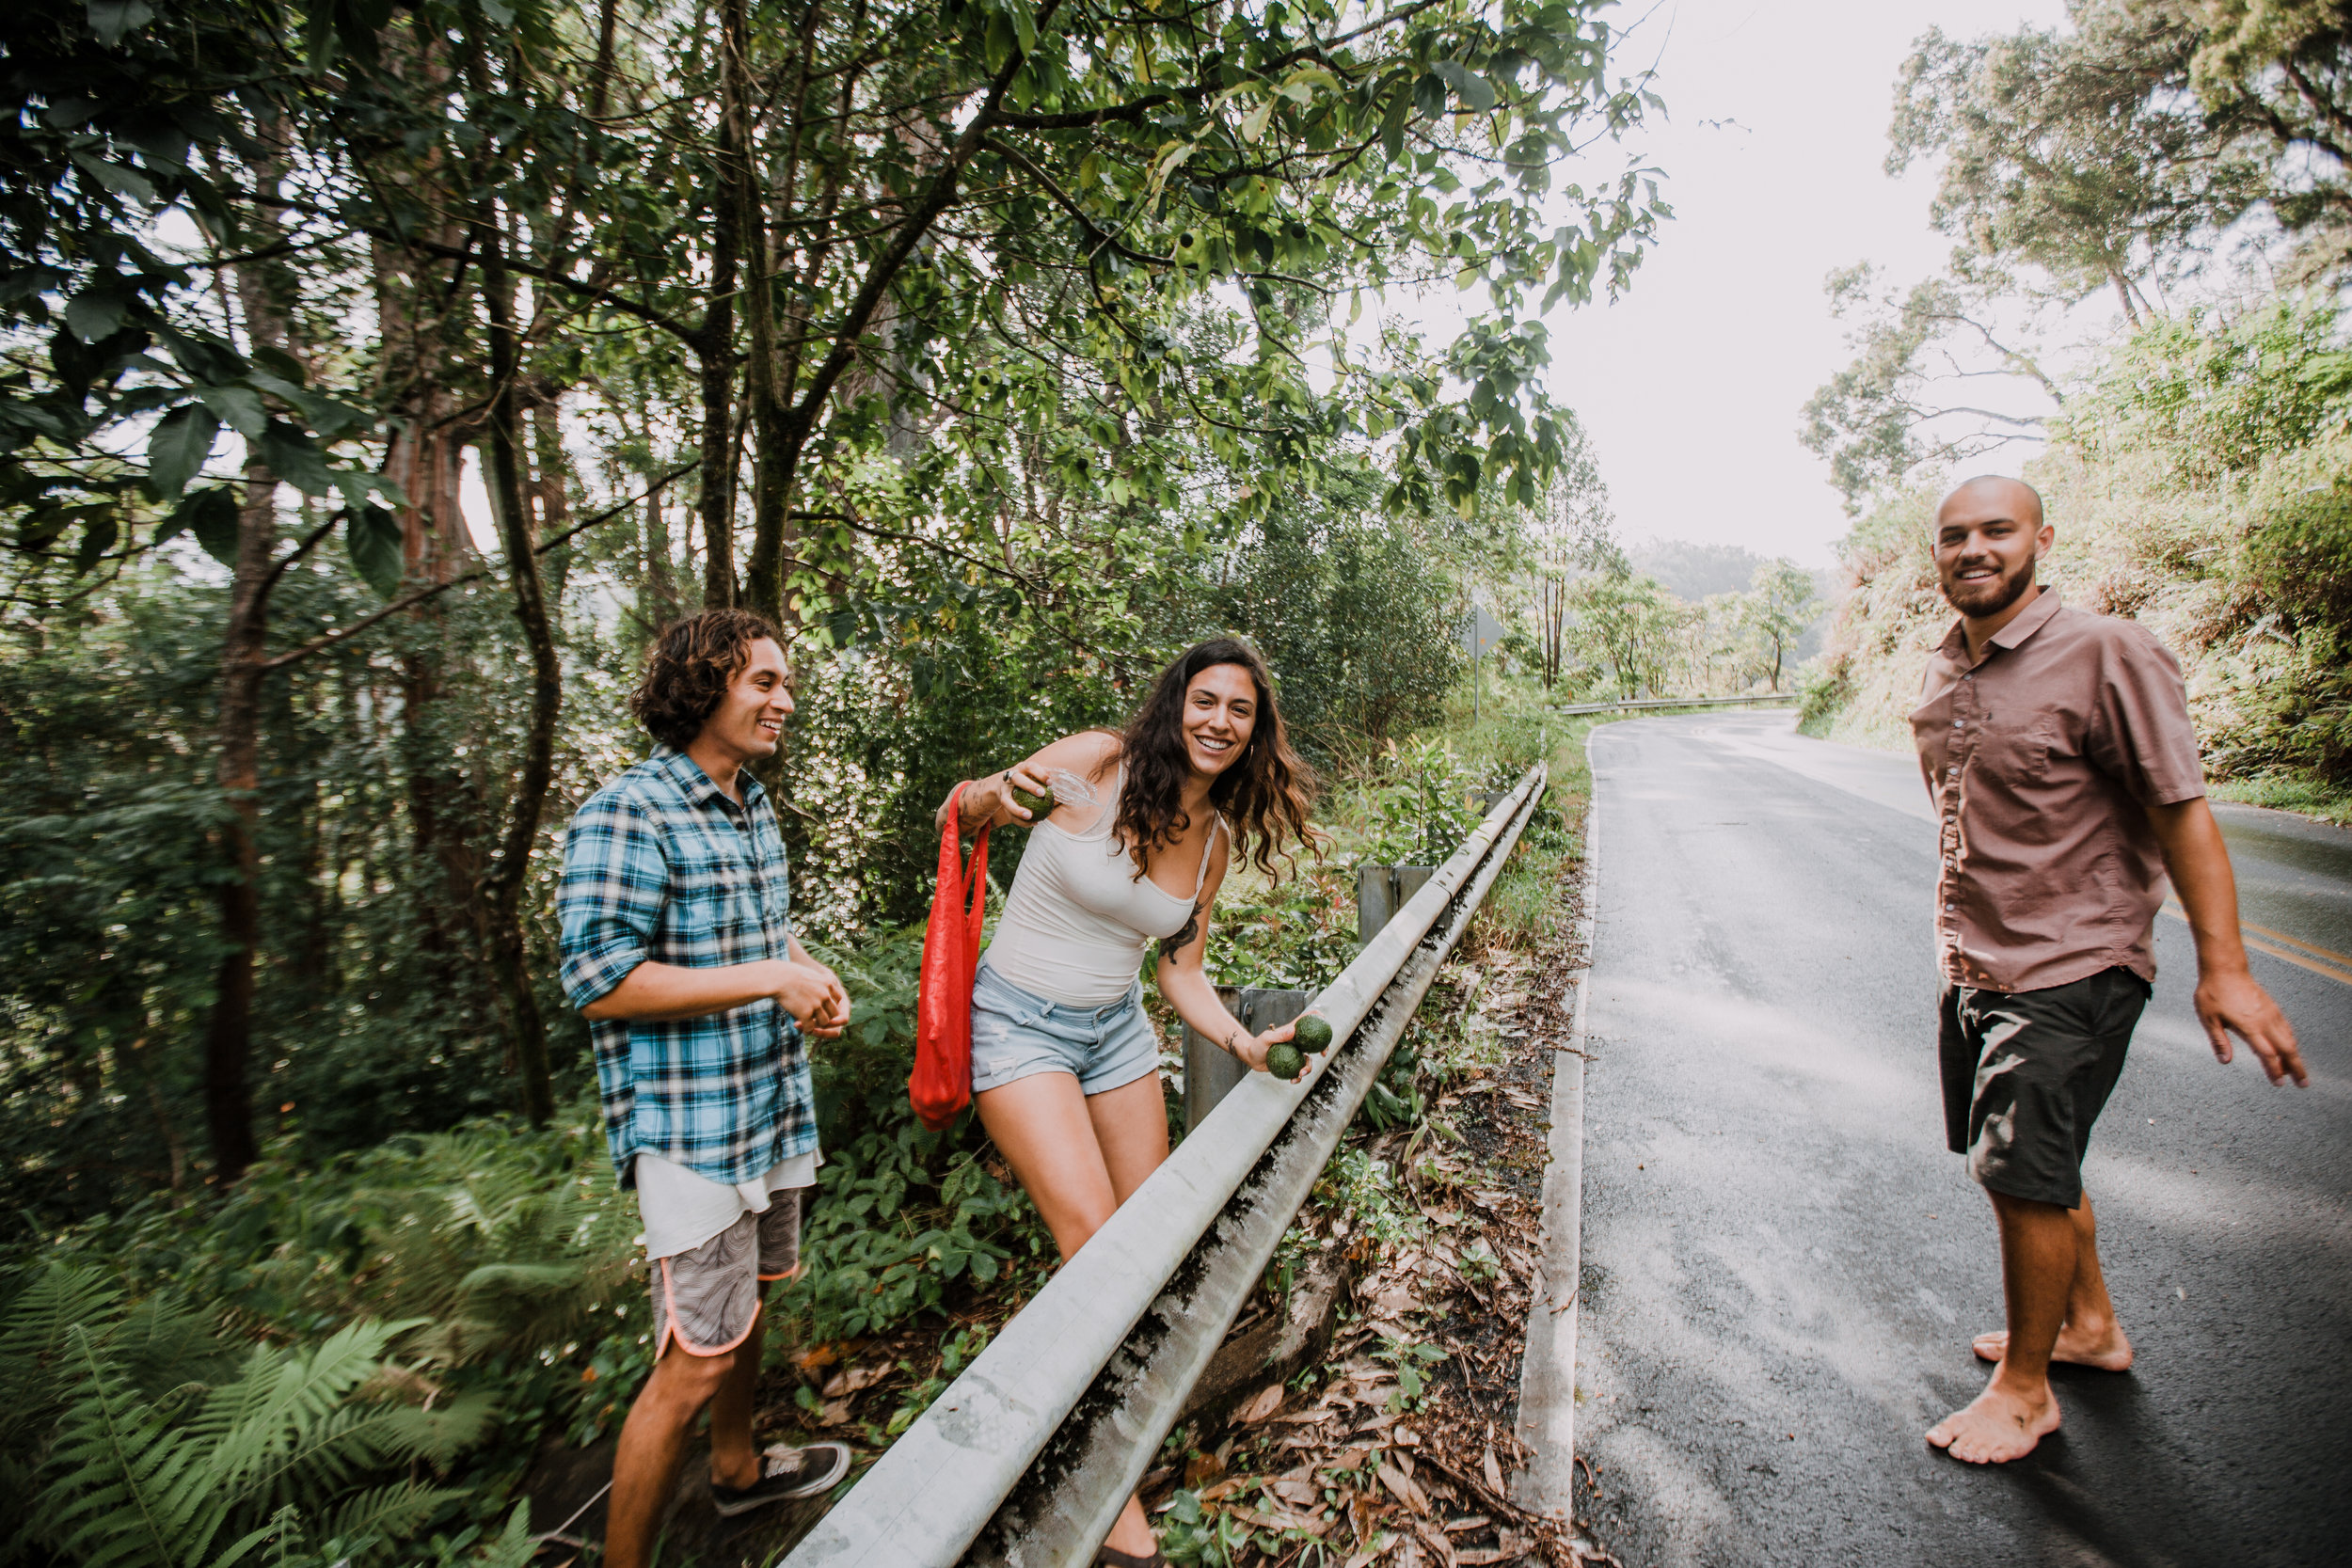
1027,1459
1574,709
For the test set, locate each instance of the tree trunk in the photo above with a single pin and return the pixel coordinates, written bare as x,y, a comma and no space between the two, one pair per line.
228,1032
502,885
715,342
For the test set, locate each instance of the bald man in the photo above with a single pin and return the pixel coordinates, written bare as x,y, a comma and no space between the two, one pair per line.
2057,749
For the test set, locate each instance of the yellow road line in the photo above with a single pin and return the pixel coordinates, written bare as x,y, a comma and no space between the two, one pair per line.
2324,954
2319,960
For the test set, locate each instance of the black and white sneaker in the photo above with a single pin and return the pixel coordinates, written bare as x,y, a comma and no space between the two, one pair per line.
785,1473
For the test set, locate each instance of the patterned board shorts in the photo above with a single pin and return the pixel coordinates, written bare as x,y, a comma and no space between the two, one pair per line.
708,1296
1016,1035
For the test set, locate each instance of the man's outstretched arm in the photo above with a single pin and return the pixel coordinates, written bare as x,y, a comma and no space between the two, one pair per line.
2229,999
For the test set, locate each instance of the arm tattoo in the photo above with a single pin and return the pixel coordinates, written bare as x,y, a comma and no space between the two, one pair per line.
1171,946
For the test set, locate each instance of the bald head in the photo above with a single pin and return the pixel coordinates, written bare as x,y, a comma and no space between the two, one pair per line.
1988,535
1989,493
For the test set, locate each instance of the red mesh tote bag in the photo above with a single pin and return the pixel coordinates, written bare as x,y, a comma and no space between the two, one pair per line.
941,1085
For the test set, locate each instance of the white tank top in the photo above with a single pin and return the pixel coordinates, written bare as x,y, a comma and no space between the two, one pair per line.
1079,917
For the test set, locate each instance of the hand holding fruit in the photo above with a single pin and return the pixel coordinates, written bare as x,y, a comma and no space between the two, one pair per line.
1286,1055
1275,1051
1019,794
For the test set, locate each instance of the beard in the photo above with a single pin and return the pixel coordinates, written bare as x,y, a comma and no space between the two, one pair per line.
1989,597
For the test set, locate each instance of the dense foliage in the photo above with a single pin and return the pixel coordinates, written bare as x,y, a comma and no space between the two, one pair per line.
2190,162
996,349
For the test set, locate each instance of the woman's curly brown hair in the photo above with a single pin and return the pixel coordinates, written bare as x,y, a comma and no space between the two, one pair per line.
690,668
1265,796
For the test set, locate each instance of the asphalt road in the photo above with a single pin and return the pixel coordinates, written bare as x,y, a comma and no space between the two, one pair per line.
1782,1265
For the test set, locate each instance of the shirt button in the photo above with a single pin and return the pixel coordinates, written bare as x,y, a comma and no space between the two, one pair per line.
1956,723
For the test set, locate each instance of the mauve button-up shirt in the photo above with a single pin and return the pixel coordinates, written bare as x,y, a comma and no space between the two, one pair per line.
2041,758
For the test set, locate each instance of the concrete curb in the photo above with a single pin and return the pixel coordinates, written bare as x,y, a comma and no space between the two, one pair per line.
1548,1371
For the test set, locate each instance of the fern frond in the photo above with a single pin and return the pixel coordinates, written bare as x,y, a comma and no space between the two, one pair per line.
521,1279
514,1548
439,1435
129,1493
164,1344
284,1532
35,1372
288,1404
389,1513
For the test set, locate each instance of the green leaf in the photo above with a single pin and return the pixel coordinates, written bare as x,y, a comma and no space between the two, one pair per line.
98,537
239,407
295,458
97,310
118,178
279,363
373,537
1477,95
114,20
211,515
175,453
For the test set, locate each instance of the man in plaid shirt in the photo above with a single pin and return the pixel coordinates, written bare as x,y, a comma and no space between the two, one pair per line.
678,948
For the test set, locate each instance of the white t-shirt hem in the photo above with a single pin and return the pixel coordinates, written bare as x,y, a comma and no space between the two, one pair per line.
682,1209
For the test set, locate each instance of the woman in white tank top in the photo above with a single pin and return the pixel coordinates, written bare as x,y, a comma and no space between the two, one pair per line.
1065,1067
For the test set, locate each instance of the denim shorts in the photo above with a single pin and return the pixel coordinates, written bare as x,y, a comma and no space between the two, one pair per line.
1016,1035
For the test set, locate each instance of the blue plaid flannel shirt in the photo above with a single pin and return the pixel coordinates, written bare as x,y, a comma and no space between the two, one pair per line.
659,864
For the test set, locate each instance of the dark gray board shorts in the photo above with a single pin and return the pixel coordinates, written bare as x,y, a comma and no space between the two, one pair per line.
708,1297
2026,1073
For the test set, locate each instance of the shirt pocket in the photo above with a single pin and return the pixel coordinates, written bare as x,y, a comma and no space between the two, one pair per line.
702,922
2014,759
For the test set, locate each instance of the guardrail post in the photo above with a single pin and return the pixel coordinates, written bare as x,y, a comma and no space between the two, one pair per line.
1210,1071
1381,891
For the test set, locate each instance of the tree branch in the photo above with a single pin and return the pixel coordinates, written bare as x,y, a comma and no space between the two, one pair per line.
409,601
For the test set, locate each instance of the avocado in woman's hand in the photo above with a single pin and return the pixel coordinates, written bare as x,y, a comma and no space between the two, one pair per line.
1038,806
1284,1061
1312,1034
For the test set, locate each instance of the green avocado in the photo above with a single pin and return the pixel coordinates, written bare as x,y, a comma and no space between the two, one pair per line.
1038,806
1314,1034
1284,1061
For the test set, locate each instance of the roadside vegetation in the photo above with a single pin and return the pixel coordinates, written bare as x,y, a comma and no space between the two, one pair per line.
382,1346
2184,165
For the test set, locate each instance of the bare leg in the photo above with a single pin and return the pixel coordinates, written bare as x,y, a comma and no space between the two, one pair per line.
652,1441
1131,1123
2090,1336
733,1456
1079,1157
1131,1129
1040,1125
2017,1409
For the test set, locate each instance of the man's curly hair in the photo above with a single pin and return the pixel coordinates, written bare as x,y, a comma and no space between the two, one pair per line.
690,668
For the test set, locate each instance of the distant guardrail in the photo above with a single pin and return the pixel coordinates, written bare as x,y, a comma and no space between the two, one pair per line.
1573,709
1027,1459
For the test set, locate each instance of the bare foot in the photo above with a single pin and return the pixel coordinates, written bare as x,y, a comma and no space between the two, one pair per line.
1997,1428
2109,1351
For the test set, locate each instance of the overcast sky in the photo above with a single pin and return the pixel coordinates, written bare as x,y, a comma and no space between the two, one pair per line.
1773,150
